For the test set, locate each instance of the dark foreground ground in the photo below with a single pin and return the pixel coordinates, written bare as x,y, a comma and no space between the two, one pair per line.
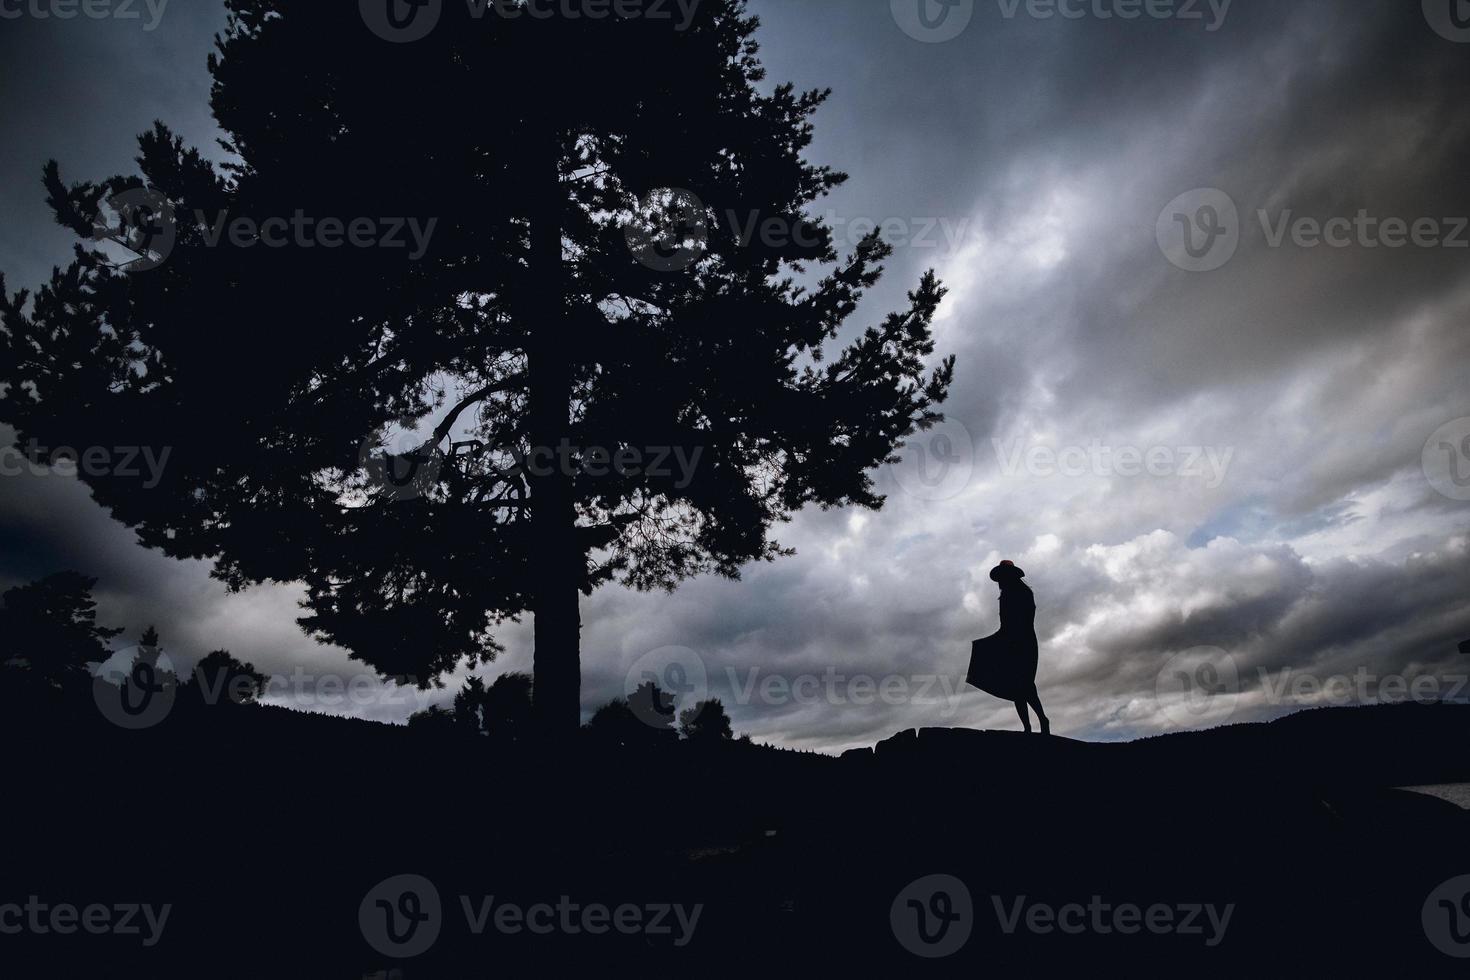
270,835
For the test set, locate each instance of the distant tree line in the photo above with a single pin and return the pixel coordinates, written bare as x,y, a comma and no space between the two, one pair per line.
52,647
504,713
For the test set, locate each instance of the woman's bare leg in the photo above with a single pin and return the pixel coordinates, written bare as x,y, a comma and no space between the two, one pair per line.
1035,701
1025,718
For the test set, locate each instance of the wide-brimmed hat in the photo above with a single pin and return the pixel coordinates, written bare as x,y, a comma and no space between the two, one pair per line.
1006,569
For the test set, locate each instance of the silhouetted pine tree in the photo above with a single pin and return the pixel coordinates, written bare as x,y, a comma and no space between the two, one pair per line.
219,679
644,720
706,722
566,298
48,629
506,710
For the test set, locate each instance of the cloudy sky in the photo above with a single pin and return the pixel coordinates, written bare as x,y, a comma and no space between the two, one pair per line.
1239,458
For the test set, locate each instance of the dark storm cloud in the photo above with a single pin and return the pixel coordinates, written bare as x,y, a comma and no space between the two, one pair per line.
1040,153
80,90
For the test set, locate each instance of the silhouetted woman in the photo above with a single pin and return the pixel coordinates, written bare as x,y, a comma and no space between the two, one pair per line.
1005,664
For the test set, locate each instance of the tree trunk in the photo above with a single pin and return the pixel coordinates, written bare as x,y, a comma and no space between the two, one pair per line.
556,562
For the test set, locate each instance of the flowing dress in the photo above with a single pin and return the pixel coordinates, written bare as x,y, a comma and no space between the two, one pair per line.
1004,664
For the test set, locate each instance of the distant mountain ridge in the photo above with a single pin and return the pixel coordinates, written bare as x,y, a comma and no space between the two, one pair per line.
1377,745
